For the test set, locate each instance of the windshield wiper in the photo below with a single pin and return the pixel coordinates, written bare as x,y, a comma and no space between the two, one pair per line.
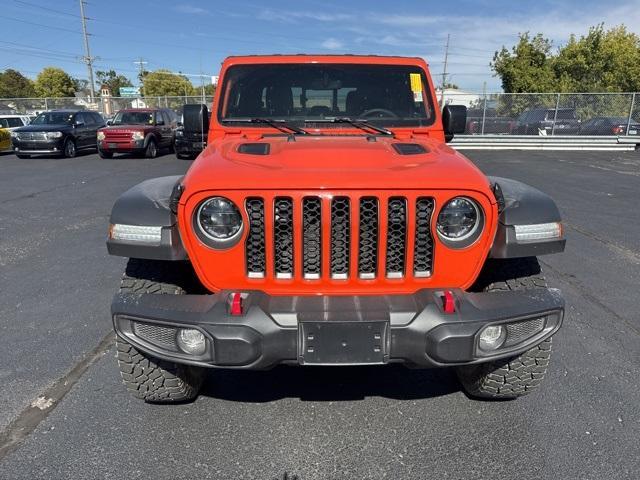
358,123
281,125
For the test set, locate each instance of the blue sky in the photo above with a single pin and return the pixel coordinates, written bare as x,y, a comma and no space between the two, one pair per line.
194,36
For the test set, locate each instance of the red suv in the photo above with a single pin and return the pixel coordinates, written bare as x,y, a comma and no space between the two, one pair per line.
142,131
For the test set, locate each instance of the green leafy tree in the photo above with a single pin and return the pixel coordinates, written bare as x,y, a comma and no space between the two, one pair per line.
15,85
54,82
162,83
601,61
111,79
527,67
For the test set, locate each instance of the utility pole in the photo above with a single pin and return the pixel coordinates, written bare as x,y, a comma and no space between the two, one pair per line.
444,70
141,63
88,59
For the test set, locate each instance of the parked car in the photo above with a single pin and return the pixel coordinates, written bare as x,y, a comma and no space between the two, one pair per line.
12,122
5,139
57,132
142,131
609,126
492,122
358,238
191,139
540,121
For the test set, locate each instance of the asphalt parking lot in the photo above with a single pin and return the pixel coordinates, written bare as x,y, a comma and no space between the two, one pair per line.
56,283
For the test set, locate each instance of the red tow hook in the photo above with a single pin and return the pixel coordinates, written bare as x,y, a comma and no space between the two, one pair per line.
448,302
235,304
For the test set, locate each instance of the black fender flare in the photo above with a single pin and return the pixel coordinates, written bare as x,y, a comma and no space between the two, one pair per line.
522,204
150,203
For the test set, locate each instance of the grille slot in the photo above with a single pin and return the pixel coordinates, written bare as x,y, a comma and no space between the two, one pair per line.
368,238
311,237
255,247
164,337
340,237
423,246
283,237
396,237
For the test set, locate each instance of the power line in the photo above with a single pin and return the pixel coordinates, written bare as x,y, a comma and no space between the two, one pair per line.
59,12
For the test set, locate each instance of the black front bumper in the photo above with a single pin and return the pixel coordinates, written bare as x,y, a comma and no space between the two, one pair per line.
337,330
39,147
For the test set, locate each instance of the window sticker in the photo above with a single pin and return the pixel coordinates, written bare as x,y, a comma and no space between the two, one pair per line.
416,86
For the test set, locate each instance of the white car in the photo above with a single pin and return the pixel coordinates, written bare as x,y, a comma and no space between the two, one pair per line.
14,121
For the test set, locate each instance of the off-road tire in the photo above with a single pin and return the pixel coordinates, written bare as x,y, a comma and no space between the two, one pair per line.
151,150
517,376
104,154
146,377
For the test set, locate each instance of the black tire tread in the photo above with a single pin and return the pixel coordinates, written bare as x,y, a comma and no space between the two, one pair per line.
516,376
148,378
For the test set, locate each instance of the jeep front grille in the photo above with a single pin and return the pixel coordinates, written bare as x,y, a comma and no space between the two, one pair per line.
353,232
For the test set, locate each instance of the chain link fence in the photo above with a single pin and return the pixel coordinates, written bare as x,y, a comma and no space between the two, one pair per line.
541,114
107,106
545,114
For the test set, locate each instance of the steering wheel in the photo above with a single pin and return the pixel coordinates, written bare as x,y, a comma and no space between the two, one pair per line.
377,112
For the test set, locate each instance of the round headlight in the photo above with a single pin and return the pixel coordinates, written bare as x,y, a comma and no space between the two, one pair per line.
219,219
459,220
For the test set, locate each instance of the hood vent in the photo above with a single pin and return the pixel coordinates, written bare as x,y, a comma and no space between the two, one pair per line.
409,148
254,148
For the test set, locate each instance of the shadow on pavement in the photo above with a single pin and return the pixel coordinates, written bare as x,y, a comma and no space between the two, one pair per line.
329,384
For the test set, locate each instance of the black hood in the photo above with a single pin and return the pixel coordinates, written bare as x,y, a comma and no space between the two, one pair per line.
45,128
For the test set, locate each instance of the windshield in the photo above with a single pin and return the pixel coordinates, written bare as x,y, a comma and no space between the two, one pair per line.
133,118
387,95
10,122
53,118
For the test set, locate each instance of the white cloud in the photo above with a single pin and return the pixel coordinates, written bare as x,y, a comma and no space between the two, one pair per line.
332,44
190,9
296,16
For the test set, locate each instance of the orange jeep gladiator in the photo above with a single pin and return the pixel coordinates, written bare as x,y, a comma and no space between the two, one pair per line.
328,222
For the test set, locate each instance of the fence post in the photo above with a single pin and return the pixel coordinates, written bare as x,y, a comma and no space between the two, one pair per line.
633,104
484,113
46,103
555,116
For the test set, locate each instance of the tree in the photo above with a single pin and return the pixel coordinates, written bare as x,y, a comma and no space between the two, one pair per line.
164,83
527,67
112,80
15,85
601,61
54,82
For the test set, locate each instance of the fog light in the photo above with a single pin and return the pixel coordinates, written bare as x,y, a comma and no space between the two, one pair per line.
492,337
192,341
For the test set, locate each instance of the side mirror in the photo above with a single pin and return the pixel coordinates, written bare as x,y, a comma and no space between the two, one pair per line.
454,120
78,124
160,122
108,122
179,124
196,118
